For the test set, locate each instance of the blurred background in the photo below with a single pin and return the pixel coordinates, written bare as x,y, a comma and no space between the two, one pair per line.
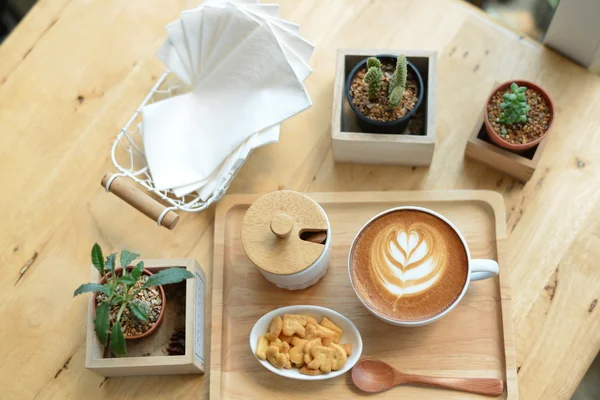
531,17
11,12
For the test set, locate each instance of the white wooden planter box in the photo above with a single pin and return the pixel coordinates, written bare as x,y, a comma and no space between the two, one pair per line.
350,144
146,356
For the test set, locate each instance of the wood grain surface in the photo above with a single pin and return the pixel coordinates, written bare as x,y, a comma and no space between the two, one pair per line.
474,340
73,72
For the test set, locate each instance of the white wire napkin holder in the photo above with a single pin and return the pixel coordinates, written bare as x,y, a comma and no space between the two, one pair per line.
128,157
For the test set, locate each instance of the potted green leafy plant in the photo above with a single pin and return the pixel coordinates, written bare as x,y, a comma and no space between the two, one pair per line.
129,302
518,115
384,92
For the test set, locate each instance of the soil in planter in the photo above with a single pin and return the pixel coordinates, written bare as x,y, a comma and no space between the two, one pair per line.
379,109
173,320
538,118
177,343
148,300
416,125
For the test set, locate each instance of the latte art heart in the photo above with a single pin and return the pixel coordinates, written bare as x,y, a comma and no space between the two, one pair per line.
406,259
408,264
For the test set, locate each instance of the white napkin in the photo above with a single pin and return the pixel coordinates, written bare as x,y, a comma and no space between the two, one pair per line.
168,55
246,67
271,12
235,162
262,138
296,48
255,82
214,21
233,28
192,28
264,10
177,38
285,32
166,128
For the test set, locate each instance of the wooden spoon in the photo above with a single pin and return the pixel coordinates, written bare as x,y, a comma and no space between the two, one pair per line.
376,376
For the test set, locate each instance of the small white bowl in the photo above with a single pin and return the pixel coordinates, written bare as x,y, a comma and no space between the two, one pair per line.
351,335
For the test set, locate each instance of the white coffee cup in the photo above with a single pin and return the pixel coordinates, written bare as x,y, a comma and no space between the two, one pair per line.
478,269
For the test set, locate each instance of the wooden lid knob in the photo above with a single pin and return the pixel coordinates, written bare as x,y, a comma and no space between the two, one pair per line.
282,225
272,228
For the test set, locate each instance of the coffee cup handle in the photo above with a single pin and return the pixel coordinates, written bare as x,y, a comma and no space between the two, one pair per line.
483,269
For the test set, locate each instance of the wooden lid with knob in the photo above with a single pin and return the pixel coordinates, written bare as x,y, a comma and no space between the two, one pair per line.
272,228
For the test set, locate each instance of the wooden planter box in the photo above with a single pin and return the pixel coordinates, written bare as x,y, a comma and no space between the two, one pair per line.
520,166
147,356
350,144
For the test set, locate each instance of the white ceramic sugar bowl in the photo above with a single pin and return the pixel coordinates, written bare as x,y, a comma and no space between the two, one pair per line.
288,237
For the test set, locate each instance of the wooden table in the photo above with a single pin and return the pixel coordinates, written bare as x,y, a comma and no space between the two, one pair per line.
73,72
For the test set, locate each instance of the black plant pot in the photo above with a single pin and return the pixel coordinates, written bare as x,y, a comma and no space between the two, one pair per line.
398,126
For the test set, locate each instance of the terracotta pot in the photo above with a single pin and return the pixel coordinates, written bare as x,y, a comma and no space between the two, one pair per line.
495,137
150,331
397,126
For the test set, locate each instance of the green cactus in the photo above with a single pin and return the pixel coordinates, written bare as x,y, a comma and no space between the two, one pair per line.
398,82
373,62
395,97
373,79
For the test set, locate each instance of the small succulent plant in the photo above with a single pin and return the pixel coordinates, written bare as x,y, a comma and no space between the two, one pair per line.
398,83
119,290
374,76
514,107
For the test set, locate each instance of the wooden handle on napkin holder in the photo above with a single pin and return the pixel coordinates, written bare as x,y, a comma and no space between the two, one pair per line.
124,189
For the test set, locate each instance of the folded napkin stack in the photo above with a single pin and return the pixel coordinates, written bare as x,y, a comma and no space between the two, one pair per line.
246,68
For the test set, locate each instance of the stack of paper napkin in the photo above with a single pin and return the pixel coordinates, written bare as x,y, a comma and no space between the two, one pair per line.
246,68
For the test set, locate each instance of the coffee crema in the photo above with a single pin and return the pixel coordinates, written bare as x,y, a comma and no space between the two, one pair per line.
408,265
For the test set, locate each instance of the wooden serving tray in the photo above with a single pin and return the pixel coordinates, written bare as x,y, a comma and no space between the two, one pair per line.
474,340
